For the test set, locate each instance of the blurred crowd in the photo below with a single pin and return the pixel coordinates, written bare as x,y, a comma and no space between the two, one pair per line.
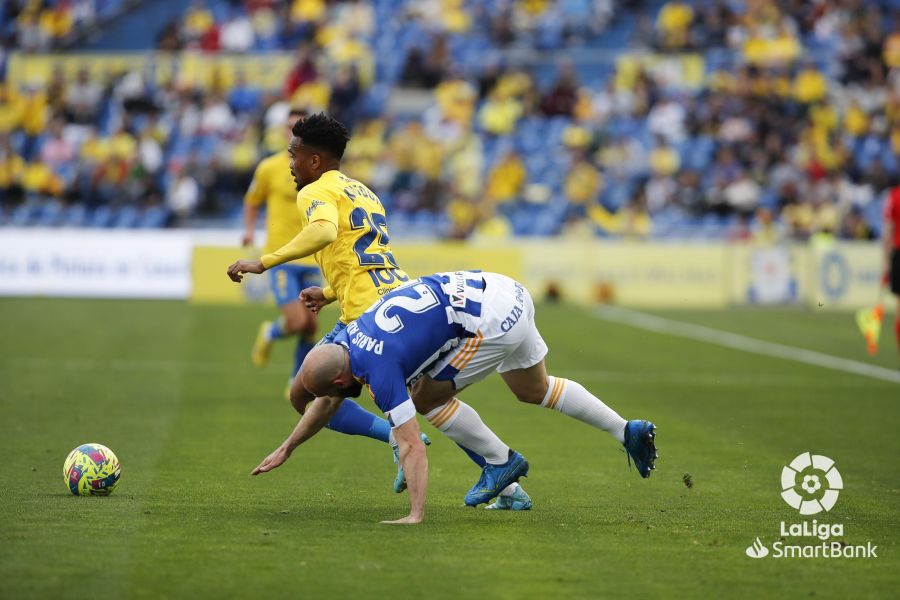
34,25
763,120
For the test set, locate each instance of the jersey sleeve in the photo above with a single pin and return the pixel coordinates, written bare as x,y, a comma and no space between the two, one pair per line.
318,204
258,190
388,388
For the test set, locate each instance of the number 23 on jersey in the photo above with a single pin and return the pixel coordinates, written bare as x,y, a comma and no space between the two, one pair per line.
374,230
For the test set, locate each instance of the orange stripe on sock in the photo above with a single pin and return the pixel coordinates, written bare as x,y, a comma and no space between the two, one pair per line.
557,391
441,412
449,416
562,390
446,414
553,392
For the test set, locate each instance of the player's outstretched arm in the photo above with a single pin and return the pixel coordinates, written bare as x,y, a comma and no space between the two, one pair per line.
415,464
236,271
314,298
310,240
317,415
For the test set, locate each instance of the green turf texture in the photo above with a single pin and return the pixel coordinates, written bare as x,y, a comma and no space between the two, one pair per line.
169,387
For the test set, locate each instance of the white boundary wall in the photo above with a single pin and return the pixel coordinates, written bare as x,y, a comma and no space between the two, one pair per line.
158,264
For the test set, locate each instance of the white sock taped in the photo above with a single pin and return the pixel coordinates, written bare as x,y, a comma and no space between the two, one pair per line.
570,398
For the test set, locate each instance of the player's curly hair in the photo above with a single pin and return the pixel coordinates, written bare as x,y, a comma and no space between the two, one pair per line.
323,133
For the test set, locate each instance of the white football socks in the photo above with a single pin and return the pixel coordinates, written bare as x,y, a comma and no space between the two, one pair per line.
570,398
459,422
510,489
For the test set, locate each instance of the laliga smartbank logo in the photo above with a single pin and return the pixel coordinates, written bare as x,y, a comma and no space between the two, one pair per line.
811,484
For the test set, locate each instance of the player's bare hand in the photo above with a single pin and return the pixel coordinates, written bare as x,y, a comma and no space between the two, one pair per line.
313,298
247,240
407,520
272,461
236,271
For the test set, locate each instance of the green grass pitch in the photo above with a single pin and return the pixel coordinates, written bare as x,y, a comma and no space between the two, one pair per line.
168,386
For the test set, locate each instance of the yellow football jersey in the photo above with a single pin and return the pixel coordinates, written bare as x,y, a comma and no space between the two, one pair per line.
358,265
273,186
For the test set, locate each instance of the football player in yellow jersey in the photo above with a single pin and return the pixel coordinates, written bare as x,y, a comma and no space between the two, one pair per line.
343,225
273,186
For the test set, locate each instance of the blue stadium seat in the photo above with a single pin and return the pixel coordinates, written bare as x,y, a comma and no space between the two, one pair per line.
126,218
50,214
24,214
76,216
102,217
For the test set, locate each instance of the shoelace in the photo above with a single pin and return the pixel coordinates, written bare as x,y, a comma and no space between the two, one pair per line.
628,457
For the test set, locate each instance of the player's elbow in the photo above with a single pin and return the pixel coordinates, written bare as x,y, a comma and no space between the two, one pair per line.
327,231
300,397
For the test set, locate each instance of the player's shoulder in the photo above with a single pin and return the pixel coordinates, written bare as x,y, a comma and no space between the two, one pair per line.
326,183
325,189
269,163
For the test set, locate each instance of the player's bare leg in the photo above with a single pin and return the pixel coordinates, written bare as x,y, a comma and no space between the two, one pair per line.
437,402
295,320
298,319
534,386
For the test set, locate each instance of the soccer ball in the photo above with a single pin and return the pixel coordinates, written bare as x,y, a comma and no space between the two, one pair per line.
91,470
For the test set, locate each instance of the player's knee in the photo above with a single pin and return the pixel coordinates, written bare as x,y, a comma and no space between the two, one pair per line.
531,396
294,324
426,396
308,327
411,448
426,405
533,393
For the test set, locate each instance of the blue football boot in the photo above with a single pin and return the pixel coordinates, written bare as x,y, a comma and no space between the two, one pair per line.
518,500
495,478
640,444
400,479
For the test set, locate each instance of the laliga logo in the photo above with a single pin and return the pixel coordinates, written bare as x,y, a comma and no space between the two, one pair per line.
811,483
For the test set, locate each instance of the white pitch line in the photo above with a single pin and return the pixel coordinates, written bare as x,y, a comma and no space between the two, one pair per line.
743,343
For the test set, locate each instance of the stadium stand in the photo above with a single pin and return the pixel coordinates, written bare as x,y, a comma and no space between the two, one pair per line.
710,120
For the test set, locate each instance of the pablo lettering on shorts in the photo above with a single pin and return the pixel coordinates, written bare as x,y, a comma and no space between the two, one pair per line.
516,313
